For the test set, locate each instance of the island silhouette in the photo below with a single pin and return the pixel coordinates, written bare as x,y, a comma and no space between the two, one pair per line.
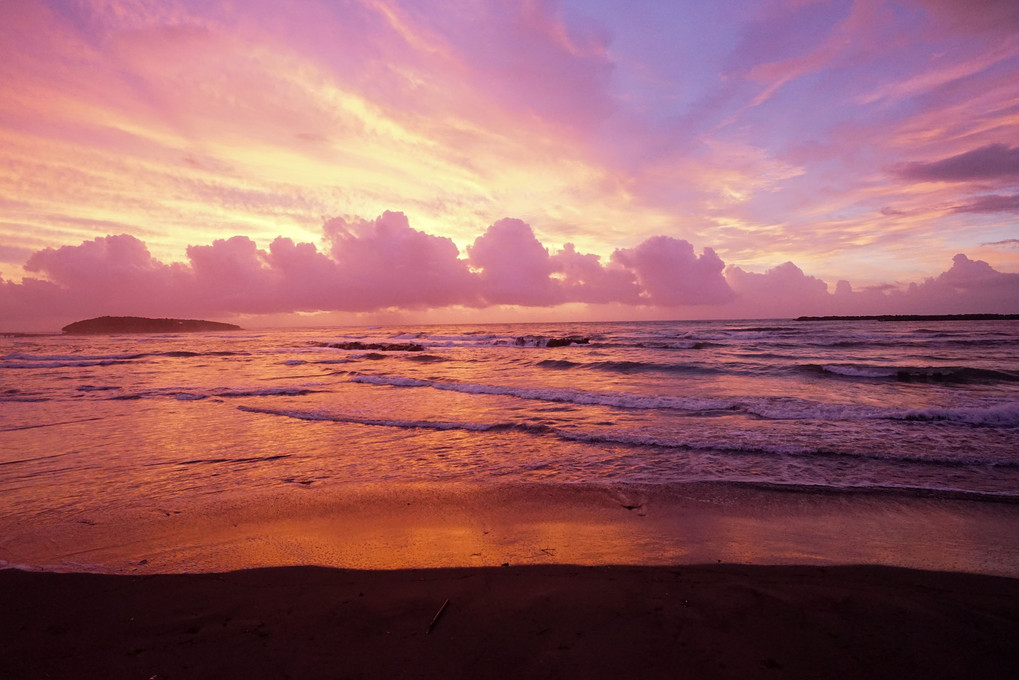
139,324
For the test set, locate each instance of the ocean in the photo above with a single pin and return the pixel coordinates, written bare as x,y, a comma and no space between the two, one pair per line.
103,430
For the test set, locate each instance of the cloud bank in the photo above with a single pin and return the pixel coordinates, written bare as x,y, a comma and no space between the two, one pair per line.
385,264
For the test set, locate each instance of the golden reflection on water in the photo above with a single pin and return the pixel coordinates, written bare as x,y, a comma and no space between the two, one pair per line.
197,495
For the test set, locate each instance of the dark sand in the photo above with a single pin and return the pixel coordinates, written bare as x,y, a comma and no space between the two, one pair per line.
718,621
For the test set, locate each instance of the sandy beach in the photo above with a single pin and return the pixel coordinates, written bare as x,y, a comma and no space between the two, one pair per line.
250,508
755,588
714,621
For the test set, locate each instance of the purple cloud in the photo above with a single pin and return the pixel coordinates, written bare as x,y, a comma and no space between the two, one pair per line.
992,203
1009,242
987,162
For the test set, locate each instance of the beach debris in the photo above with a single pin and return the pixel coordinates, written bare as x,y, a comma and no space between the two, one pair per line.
548,551
436,617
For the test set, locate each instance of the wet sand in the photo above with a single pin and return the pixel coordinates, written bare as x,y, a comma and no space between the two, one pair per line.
736,584
428,526
715,621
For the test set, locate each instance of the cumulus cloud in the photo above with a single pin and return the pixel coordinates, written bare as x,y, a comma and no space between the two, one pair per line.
783,290
515,267
385,264
670,273
392,265
968,286
108,270
987,162
585,279
232,274
967,274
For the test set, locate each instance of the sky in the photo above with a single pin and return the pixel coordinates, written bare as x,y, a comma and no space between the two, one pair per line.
366,161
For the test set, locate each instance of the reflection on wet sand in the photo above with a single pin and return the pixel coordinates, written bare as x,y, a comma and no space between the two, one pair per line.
413,526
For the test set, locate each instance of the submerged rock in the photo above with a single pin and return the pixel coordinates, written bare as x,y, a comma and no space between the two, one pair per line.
139,324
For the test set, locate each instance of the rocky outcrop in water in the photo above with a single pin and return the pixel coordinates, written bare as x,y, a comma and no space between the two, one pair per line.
377,346
541,341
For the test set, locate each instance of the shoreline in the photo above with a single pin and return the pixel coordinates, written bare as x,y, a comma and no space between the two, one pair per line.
394,526
705,621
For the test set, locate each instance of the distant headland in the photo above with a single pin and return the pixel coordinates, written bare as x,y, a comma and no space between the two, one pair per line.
139,324
916,317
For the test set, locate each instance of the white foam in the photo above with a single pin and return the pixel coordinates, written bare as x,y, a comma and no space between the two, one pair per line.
772,408
619,399
851,371
642,439
383,422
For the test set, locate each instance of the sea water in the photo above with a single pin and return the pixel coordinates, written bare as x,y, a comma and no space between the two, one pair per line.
94,425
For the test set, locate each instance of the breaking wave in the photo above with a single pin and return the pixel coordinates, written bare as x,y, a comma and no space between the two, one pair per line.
315,415
771,408
933,374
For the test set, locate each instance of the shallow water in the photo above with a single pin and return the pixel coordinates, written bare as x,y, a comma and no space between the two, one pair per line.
95,426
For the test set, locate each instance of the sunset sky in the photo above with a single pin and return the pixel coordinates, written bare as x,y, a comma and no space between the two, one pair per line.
434,160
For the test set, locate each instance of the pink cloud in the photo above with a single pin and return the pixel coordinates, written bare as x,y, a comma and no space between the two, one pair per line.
969,286
515,267
783,290
385,264
392,265
232,274
585,279
672,274
106,272
967,275
308,278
